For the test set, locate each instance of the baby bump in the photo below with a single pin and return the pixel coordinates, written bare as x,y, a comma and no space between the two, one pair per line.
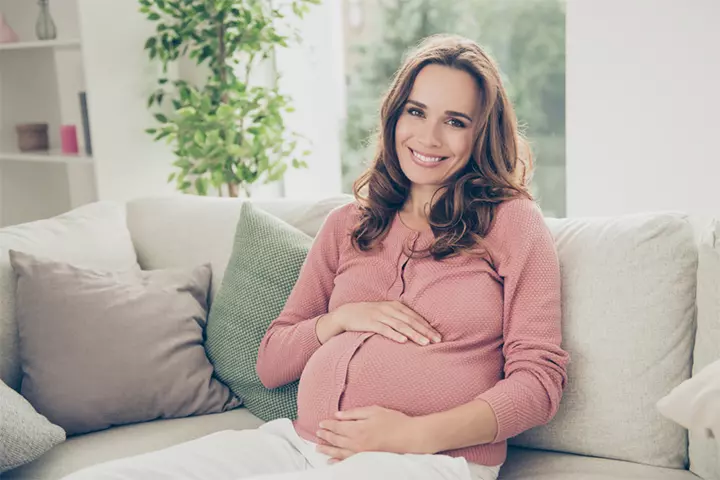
418,380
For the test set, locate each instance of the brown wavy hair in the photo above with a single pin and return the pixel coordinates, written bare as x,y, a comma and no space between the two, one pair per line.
499,167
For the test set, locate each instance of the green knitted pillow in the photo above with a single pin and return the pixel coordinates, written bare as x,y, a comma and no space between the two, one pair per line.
264,265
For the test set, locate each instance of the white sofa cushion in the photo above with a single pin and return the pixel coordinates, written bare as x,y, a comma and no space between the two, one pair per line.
704,457
92,236
524,464
186,230
628,307
127,440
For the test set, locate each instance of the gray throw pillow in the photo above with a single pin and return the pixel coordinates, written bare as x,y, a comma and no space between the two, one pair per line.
102,348
263,268
24,433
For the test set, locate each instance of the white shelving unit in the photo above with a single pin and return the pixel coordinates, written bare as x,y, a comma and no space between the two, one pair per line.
53,156
40,81
99,50
72,43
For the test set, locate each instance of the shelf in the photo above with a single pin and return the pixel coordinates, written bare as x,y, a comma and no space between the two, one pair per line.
71,43
54,156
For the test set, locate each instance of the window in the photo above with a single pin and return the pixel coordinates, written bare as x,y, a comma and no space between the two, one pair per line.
526,37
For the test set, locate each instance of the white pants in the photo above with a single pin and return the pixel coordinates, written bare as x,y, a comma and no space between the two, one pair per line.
274,451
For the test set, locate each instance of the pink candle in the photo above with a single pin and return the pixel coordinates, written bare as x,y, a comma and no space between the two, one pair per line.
68,139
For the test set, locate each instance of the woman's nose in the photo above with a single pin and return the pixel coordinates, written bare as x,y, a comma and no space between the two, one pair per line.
430,135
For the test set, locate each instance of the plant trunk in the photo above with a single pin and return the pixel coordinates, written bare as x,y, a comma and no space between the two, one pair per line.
232,190
222,60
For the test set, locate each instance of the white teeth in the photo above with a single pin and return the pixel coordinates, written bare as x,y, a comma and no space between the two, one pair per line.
426,159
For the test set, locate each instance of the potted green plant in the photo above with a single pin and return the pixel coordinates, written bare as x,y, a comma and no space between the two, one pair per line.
225,132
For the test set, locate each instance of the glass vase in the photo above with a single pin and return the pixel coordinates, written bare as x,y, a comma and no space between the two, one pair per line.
45,27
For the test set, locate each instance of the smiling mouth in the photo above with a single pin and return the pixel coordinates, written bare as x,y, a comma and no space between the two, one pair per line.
426,158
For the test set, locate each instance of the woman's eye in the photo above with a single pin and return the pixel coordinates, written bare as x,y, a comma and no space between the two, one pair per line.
414,112
456,123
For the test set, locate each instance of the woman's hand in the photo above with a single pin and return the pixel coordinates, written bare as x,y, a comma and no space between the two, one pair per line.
372,429
391,319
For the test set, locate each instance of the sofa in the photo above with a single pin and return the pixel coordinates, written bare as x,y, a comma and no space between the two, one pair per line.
629,306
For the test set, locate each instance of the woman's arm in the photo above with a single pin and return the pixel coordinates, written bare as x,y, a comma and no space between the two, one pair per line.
535,364
470,424
291,338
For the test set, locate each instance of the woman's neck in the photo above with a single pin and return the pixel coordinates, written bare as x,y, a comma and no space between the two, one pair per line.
417,204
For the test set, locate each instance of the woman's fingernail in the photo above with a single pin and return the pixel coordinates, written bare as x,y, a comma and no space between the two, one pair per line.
424,341
436,339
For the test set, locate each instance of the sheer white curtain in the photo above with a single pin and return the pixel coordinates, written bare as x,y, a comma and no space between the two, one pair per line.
313,74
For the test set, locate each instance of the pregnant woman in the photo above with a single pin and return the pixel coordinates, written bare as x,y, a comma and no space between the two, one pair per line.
425,325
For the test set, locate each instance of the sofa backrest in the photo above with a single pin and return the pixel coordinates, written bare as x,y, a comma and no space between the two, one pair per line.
188,230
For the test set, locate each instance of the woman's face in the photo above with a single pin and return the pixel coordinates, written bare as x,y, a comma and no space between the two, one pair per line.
434,133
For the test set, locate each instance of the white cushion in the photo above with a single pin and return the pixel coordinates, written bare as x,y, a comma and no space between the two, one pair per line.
186,230
704,457
524,464
118,442
628,308
92,236
695,403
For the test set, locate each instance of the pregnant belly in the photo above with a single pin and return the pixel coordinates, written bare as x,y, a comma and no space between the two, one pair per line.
413,379
417,380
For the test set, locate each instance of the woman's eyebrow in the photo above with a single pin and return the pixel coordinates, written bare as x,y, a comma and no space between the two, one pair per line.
447,112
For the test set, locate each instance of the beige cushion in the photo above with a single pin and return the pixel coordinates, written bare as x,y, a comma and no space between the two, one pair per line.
525,464
118,442
92,236
208,227
704,459
628,306
108,348
24,433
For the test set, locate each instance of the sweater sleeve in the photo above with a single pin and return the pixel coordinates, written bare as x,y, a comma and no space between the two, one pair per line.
535,364
291,338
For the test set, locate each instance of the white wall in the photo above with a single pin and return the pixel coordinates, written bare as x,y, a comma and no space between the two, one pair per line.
128,163
643,96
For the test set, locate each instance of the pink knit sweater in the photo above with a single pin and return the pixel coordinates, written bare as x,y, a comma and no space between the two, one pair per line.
500,327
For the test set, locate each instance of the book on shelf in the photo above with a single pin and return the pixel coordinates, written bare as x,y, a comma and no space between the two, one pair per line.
85,122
